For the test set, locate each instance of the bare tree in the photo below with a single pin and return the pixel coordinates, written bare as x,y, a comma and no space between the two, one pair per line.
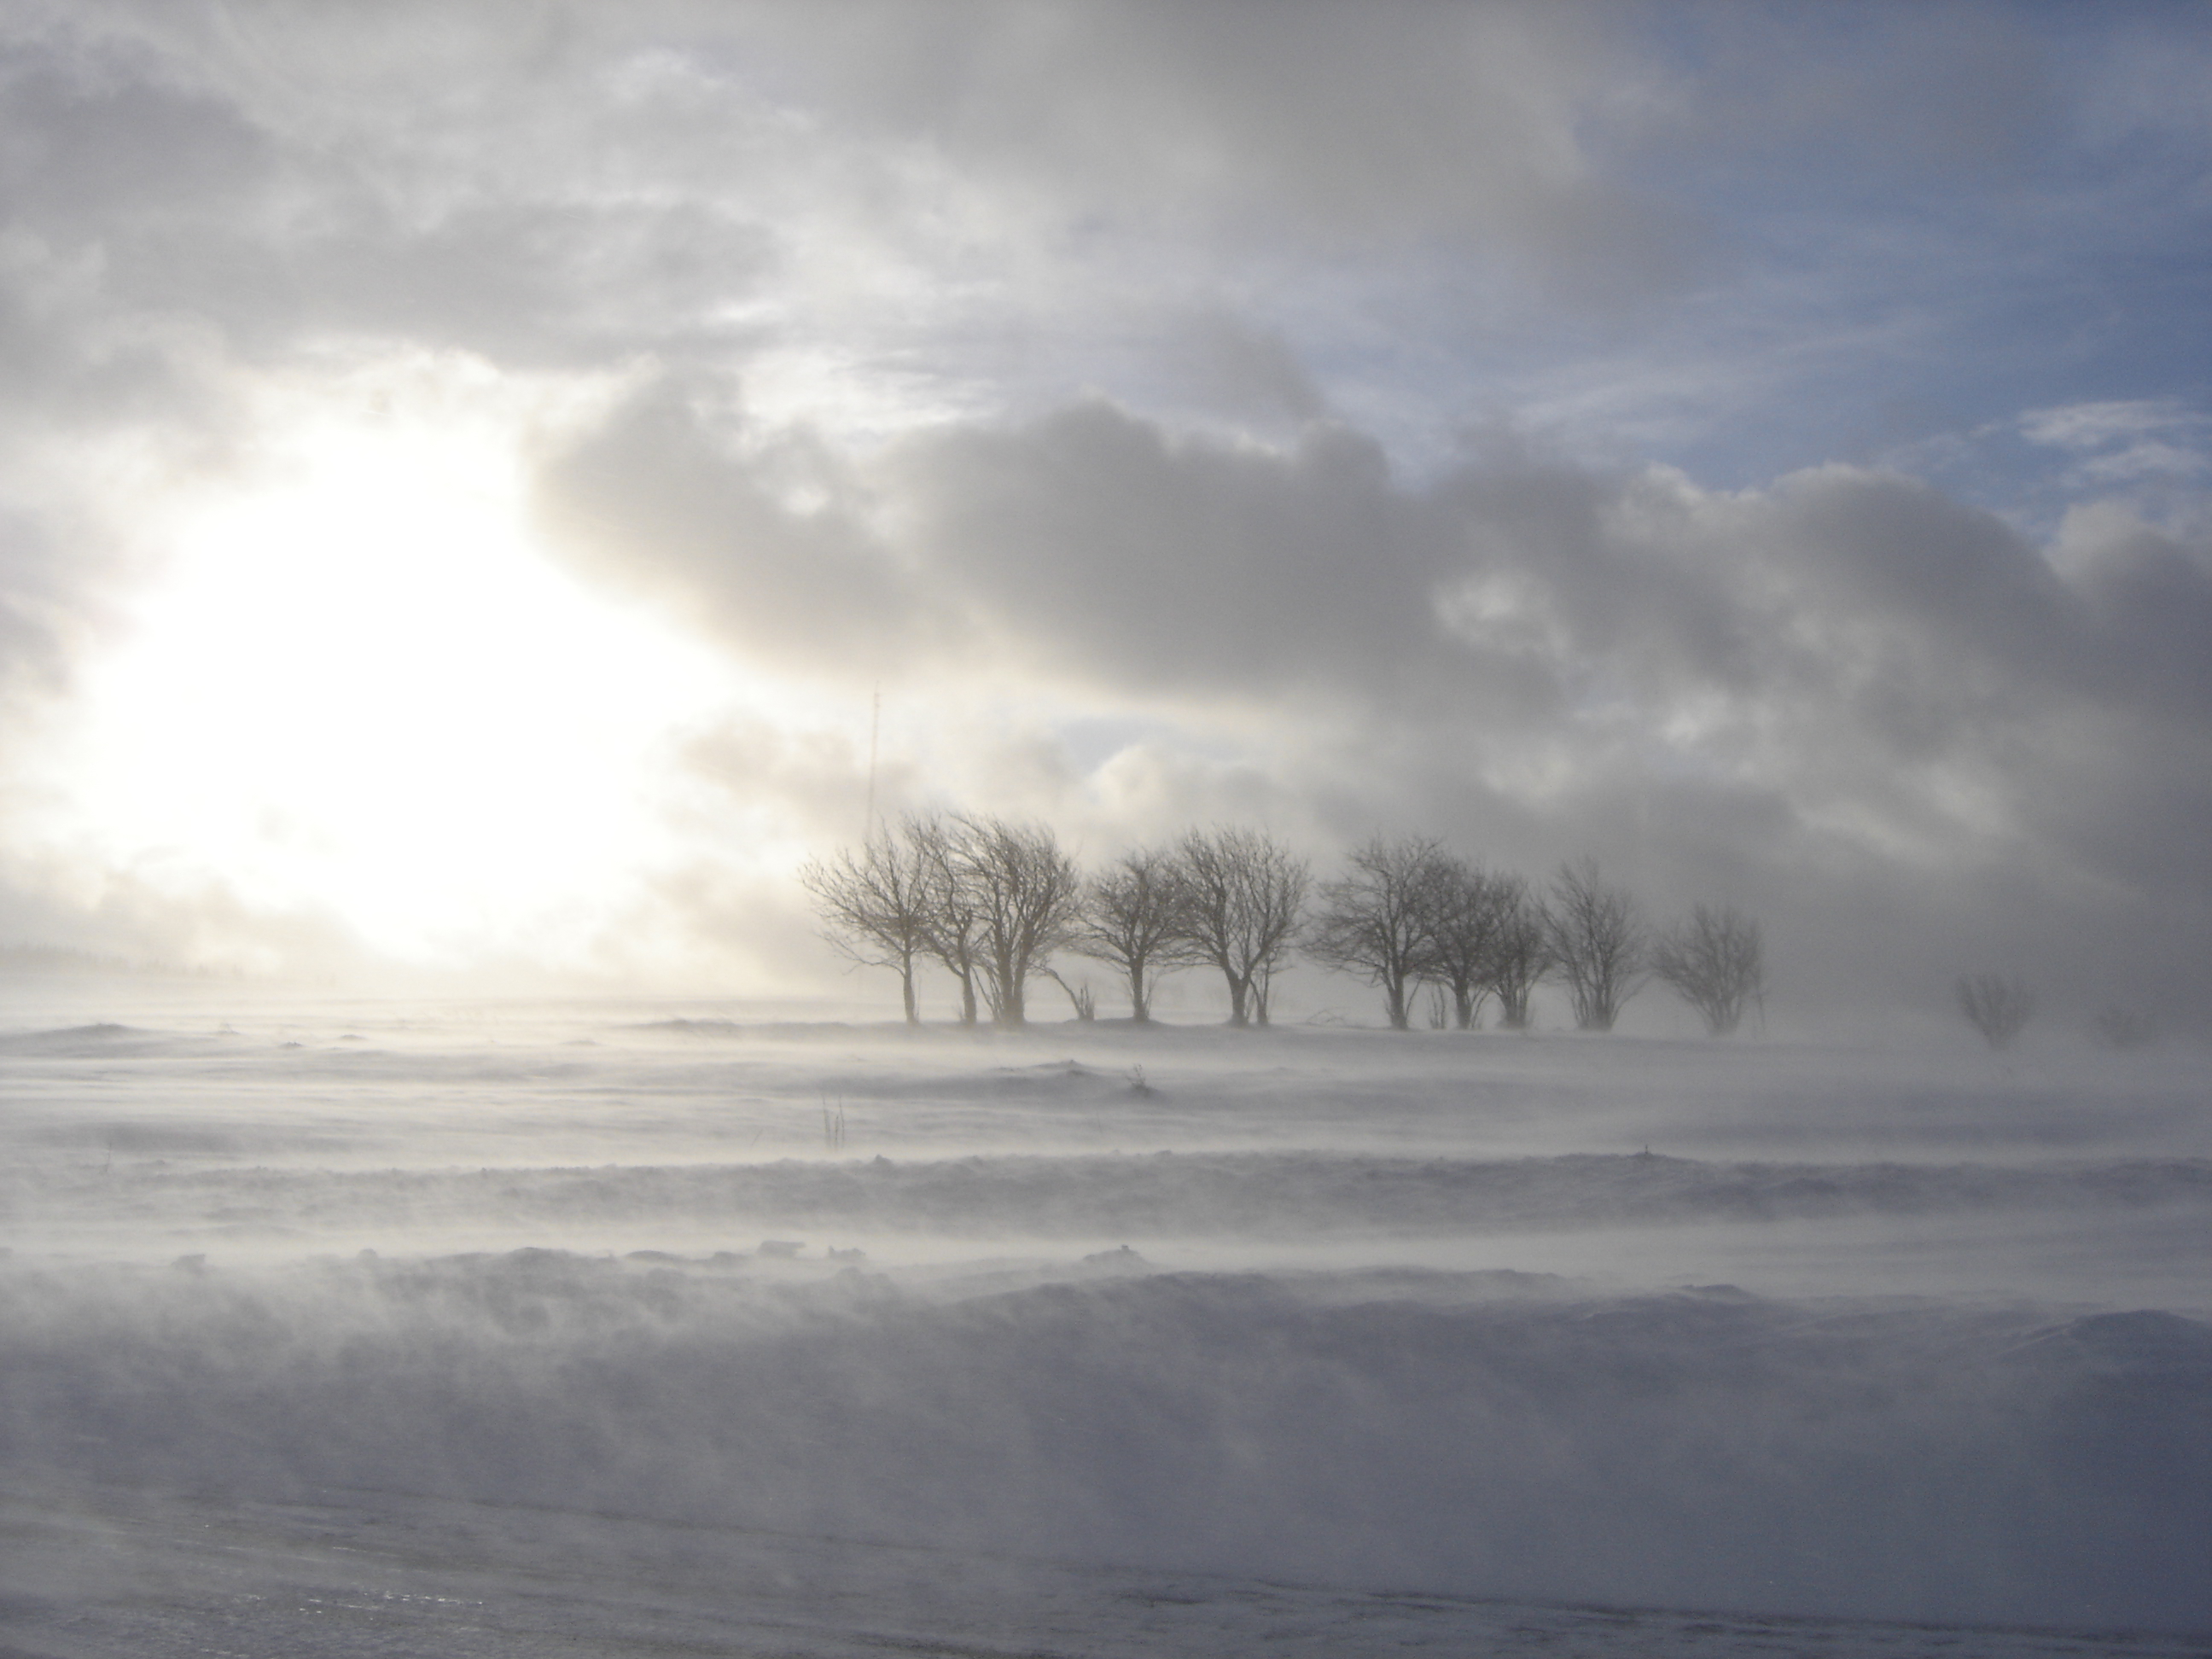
1132,919
1468,909
1995,1005
875,907
1024,896
952,916
1375,921
1522,954
1715,961
1598,939
1240,898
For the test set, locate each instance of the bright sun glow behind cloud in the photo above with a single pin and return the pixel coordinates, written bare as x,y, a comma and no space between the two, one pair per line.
359,688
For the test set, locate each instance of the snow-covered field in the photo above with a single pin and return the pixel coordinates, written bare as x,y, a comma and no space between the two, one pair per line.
343,1327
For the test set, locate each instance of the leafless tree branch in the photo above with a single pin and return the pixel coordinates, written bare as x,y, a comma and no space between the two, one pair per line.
1715,961
1598,939
1995,1005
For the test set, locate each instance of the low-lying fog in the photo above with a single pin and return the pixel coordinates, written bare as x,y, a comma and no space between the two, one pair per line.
1919,1333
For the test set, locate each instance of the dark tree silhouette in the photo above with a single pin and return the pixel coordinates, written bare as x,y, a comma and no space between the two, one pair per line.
1522,955
1468,909
2123,1028
1375,921
1132,919
1599,942
953,921
1995,1005
1024,896
875,907
1241,896
1715,961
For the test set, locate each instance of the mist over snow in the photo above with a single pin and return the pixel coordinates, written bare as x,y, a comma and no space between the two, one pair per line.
845,1332
492,496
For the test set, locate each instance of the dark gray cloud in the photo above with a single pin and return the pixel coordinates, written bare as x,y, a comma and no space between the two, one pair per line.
1804,691
1405,115
1065,353
1091,540
1093,544
1229,365
655,500
97,141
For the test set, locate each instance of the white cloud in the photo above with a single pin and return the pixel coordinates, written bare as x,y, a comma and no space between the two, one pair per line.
1522,651
1099,368
2095,426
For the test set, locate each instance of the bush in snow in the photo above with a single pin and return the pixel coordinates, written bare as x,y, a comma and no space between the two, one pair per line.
1995,1005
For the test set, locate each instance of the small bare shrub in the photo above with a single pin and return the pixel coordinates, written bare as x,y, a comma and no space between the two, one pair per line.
1079,995
1995,1005
2122,1028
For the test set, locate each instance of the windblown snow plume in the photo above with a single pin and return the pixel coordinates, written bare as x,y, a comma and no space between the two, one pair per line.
1488,1435
1915,1336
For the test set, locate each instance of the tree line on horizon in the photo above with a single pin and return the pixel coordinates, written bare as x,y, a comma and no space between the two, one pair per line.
992,901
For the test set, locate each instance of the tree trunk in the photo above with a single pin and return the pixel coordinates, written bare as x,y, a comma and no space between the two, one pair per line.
1393,1003
1466,1004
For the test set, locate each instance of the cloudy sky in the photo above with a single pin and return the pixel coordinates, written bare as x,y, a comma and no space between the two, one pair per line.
473,472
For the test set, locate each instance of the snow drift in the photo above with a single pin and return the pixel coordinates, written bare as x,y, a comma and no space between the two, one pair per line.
1491,1434
1416,1313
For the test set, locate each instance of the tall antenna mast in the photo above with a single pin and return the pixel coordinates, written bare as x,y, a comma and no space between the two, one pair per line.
875,730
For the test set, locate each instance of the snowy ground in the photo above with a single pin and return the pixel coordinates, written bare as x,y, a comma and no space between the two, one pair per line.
508,1329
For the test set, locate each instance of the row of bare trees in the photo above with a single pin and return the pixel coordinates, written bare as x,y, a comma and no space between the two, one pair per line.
987,900
1409,912
992,901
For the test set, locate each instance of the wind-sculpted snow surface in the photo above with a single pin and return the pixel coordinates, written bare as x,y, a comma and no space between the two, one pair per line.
1256,1195
1484,1435
1404,1318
